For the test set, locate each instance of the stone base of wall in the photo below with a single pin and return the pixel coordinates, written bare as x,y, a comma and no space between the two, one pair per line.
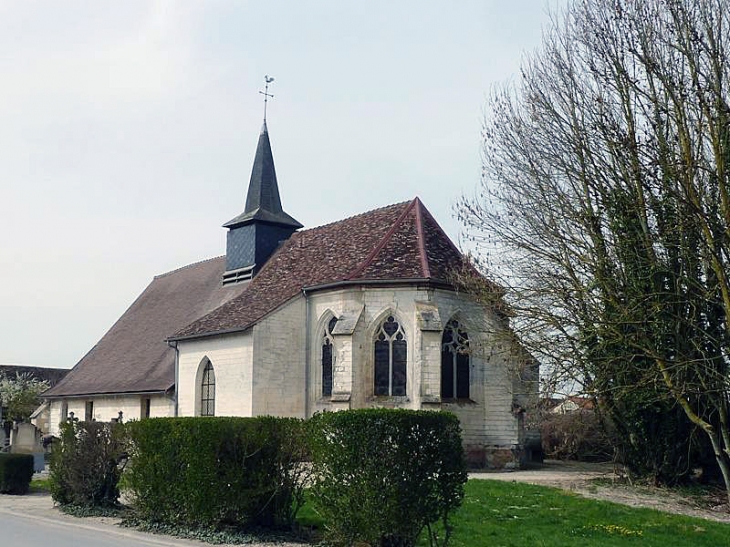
495,457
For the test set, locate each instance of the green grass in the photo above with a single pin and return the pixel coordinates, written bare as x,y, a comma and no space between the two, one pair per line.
504,514
520,515
40,485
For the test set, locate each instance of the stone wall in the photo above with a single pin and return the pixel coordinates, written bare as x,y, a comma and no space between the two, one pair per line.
232,359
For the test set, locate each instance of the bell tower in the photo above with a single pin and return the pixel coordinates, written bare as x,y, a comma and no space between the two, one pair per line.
254,235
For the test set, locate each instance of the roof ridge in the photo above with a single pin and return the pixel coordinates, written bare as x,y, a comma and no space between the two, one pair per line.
188,266
422,239
441,230
383,242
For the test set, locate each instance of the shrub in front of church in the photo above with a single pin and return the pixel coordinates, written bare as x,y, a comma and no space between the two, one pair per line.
383,477
16,472
217,472
87,463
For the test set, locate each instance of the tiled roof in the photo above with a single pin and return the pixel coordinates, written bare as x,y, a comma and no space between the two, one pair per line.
400,242
395,243
133,355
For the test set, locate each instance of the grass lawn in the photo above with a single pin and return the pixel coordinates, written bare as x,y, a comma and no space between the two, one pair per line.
40,485
520,515
504,514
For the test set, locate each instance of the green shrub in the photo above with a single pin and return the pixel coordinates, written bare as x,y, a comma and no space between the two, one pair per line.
383,476
85,464
16,472
214,472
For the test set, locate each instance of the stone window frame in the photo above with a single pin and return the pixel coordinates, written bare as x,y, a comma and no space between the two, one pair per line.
458,350
380,334
327,339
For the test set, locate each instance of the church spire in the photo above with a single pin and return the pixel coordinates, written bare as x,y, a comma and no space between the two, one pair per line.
263,201
256,233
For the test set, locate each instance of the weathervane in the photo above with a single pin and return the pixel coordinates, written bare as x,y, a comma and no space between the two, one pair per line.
266,93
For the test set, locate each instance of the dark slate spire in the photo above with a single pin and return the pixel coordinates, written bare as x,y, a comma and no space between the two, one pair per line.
255,234
263,201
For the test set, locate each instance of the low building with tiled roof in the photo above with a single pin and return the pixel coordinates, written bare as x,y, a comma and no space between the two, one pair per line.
358,313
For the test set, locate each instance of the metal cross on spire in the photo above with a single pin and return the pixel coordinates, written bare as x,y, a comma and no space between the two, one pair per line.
266,93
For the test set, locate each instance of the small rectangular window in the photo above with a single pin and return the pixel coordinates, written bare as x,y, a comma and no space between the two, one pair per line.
146,406
89,415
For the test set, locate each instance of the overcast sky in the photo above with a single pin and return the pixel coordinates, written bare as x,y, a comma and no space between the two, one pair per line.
128,129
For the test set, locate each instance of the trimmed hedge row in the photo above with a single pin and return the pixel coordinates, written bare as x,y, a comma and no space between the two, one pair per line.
16,472
86,464
383,476
377,476
217,471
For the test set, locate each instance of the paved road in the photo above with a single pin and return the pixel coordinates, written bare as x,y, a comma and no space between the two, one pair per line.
22,531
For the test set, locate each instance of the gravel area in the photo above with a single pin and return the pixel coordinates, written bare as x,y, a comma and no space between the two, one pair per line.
578,477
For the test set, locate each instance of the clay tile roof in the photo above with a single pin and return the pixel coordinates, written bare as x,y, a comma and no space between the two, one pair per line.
399,242
133,355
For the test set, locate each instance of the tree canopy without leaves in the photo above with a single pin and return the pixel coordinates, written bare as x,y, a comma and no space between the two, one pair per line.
20,394
605,207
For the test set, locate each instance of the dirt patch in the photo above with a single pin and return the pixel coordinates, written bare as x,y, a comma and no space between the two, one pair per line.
580,478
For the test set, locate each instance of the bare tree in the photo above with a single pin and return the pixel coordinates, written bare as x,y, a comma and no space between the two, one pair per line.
20,395
605,204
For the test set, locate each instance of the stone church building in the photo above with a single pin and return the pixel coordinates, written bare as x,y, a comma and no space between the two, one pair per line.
358,313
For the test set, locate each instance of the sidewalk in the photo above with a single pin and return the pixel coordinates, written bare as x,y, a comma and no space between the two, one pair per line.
39,507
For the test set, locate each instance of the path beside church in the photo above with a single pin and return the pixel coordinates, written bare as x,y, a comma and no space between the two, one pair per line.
33,521
38,512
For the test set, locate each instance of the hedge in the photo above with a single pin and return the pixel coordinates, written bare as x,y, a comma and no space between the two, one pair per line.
215,472
382,476
86,464
16,472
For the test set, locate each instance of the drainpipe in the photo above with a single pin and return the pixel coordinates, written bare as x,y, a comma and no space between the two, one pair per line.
173,344
306,353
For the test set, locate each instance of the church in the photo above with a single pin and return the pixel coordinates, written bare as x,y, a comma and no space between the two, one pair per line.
359,313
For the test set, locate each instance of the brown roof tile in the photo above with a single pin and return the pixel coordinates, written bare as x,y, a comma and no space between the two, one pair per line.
398,242
133,355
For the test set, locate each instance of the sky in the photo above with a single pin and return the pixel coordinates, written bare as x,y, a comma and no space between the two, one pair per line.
128,130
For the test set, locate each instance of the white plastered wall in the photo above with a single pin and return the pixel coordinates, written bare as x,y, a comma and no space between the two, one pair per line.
107,407
279,373
231,356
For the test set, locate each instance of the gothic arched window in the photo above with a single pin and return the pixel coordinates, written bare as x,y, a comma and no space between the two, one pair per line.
390,359
454,362
328,358
207,390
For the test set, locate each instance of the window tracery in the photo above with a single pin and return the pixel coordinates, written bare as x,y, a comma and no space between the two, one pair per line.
390,359
454,362
328,358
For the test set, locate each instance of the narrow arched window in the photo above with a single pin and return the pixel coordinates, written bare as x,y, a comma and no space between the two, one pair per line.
328,358
390,359
454,362
207,391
